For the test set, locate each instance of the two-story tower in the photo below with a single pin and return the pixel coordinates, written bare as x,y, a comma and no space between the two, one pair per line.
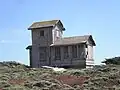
44,34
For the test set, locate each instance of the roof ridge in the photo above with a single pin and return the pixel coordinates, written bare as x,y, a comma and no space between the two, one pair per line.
47,20
43,23
76,36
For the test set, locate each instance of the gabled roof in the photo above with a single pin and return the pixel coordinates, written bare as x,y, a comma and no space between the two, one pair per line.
74,40
29,47
42,24
71,41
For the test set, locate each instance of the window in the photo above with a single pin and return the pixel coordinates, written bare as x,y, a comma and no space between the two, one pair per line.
87,52
57,33
86,46
42,53
57,53
41,33
81,51
66,52
74,51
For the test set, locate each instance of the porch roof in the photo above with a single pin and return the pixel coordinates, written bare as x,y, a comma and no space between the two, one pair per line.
73,40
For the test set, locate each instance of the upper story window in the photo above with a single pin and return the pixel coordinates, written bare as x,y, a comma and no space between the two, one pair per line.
57,33
41,33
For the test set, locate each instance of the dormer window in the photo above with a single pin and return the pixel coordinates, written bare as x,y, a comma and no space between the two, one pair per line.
41,33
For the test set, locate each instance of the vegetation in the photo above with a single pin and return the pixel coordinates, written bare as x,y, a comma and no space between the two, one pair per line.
16,76
114,60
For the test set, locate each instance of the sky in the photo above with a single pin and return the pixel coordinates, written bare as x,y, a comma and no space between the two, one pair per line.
100,18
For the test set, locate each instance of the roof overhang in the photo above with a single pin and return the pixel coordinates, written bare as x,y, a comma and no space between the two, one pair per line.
84,42
91,38
44,26
29,47
32,28
61,25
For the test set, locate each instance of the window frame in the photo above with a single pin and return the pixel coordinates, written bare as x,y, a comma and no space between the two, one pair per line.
66,52
57,53
42,33
44,53
74,51
81,51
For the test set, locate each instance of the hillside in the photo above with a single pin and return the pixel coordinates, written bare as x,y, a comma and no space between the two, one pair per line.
16,76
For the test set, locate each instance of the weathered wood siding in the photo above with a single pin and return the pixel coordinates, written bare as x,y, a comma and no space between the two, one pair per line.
90,49
89,59
50,35
35,56
39,41
70,61
42,40
56,33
